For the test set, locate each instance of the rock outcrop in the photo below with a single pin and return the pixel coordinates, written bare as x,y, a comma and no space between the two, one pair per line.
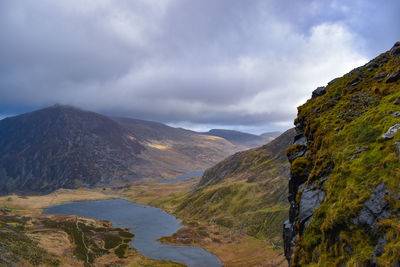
345,172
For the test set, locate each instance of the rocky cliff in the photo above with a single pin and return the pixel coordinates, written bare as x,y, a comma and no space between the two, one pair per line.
344,186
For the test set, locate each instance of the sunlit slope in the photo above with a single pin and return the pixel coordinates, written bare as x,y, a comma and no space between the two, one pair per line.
247,191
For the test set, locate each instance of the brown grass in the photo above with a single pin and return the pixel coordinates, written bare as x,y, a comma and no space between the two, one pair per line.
36,204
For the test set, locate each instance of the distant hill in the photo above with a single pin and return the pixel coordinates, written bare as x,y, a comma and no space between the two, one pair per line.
269,136
66,147
247,191
243,139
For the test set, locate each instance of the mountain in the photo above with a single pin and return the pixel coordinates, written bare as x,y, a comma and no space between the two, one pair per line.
269,136
172,151
247,191
344,187
66,147
245,140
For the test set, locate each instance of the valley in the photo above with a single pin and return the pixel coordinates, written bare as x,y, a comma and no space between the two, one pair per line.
218,239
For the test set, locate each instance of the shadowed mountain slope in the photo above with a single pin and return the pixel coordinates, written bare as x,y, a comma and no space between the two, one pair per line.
63,147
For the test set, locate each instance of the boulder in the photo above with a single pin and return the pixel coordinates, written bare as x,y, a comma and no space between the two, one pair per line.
318,92
397,101
391,132
394,76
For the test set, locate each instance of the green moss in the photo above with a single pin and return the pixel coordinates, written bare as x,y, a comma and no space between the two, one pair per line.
301,167
111,241
336,125
122,250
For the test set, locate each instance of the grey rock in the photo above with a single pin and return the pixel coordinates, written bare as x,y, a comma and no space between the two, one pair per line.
395,51
396,101
379,249
289,239
298,154
301,141
391,132
396,114
361,149
333,81
355,157
394,76
380,76
376,203
375,208
355,83
318,92
372,64
309,201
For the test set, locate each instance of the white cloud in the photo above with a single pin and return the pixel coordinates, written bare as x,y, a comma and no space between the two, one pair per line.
185,62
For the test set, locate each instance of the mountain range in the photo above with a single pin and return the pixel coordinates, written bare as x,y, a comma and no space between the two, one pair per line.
66,147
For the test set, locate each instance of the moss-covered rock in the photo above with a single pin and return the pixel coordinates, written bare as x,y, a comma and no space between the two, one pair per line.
348,157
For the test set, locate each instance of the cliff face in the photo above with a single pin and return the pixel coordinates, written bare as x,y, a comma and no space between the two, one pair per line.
246,192
344,186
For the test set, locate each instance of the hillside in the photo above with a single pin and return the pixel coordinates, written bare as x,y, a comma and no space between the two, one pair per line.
245,140
65,147
345,169
247,191
269,136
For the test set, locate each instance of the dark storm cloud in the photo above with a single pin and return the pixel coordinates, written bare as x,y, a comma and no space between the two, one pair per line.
225,62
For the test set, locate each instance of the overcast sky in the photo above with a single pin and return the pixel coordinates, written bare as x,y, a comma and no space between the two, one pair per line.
235,64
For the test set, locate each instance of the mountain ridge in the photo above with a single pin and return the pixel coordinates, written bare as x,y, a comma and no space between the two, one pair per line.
64,146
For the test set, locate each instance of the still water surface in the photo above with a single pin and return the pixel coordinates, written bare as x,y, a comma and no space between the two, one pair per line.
147,223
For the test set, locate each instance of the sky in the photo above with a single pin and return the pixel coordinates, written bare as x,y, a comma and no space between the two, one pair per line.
235,64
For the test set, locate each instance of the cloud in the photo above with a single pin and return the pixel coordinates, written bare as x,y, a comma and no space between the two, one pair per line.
194,63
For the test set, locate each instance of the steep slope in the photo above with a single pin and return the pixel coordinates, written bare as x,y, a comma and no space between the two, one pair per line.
245,140
247,191
65,147
345,171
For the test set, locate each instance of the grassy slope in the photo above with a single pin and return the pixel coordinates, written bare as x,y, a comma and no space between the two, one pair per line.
246,192
348,117
233,248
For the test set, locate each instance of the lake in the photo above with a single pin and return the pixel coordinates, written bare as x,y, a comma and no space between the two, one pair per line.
147,223
182,177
